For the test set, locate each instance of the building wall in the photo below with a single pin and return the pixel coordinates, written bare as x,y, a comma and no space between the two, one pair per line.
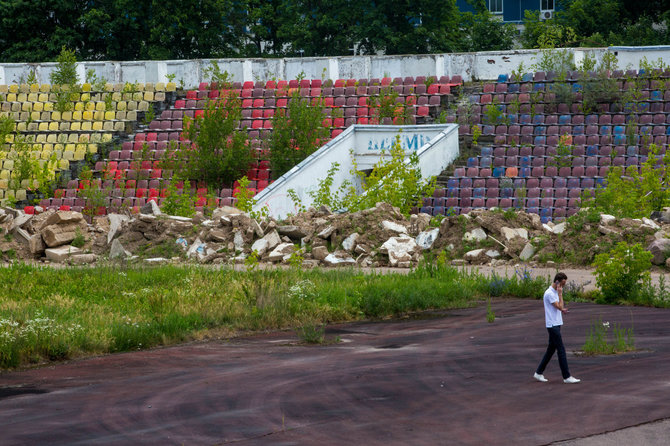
470,66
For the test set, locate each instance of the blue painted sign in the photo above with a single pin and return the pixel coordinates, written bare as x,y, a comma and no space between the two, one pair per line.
407,142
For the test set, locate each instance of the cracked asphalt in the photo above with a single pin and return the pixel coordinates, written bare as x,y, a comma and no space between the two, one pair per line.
444,377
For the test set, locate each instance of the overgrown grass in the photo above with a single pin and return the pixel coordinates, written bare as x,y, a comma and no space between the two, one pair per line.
597,342
53,314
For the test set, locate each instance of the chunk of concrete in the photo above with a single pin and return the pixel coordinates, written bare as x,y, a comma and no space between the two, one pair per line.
426,239
399,249
394,227
61,253
476,235
349,243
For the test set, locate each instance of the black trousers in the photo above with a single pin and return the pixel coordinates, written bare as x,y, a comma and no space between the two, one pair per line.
555,344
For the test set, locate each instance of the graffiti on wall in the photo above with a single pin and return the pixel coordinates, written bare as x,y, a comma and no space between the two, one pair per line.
407,142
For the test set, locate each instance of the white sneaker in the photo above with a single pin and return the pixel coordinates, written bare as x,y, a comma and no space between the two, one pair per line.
571,380
540,378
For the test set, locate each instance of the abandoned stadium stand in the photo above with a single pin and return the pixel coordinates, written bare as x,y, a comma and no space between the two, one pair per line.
514,166
519,166
132,173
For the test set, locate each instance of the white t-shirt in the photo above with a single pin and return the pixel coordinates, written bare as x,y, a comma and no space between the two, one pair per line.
552,315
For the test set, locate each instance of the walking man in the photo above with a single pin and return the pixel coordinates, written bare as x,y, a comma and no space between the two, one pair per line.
553,316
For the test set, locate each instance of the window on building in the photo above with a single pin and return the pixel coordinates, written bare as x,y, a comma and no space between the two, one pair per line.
496,6
546,5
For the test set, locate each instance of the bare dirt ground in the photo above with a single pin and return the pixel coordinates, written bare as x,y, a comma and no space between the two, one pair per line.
439,378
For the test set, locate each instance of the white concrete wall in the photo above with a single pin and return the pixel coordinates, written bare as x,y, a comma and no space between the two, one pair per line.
485,65
436,145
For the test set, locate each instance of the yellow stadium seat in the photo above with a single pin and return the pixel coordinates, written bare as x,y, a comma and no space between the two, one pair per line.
106,137
63,126
86,126
43,97
92,148
116,97
131,116
6,107
99,115
22,97
78,106
45,88
75,126
35,115
68,155
86,87
160,86
56,116
87,115
121,115
159,96
32,127
108,126
149,96
110,116
26,106
13,101
21,194
78,156
109,87
38,106
118,87
100,106
46,151
121,105
8,164
171,86
66,116
76,115
143,106
132,105
149,86
13,88
52,137
34,88
97,126
118,126
45,116
4,89
4,184
64,164
24,88
48,106
21,126
138,96
32,97
89,106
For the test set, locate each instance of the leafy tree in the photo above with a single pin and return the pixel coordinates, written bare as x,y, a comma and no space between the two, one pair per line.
484,32
36,30
221,152
298,132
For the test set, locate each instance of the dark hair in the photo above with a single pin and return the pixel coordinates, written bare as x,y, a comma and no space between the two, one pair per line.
559,277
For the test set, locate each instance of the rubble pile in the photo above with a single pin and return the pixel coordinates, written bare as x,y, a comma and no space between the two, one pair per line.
379,236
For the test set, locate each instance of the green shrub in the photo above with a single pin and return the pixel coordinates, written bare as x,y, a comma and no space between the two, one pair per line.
392,181
221,152
632,194
179,202
297,132
621,272
65,80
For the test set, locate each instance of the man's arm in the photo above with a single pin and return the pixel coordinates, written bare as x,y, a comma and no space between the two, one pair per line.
560,304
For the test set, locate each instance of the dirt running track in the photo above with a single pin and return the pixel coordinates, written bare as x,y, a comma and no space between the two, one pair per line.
450,378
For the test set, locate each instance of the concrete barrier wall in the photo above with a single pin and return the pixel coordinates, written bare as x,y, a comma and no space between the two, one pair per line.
436,145
470,66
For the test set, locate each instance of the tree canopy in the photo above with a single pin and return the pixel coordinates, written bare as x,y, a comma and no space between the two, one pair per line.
36,30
